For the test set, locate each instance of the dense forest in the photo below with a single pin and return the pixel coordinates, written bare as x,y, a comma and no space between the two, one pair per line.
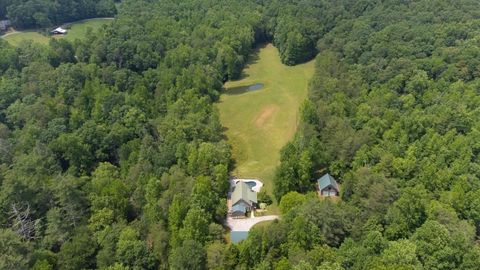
45,13
392,113
113,156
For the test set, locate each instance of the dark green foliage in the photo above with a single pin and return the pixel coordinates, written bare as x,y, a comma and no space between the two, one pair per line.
45,13
263,197
188,256
14,253
112,154
111,149
132,251
78,252
391,113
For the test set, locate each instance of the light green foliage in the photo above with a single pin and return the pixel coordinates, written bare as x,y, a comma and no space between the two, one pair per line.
471,259
109,191
400,254
195,225
203,195
330,266
42,265
14,252
117,266
176,215
290,201
132,251
435,246
303,265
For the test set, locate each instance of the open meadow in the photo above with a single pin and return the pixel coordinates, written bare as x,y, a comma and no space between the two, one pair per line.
76,30
16,38
260,122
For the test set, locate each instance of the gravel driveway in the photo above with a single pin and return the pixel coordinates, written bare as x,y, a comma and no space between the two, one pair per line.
244,225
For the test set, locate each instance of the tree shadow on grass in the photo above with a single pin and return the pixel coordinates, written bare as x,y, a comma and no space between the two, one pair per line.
252,59
244,89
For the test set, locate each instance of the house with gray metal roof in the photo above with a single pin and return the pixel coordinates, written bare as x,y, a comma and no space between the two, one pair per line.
244,199
327,186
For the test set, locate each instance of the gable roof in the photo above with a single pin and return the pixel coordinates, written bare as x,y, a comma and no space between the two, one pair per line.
239,208
327,180
59,30
243,191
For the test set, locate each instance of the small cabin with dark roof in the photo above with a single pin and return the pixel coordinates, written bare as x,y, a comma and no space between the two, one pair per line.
327,186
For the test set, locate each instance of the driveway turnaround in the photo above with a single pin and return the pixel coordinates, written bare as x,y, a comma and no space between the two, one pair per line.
244,225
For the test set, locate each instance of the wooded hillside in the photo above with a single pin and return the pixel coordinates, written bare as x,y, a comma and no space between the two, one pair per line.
112,155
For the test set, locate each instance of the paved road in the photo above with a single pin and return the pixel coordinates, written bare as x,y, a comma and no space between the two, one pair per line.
246,224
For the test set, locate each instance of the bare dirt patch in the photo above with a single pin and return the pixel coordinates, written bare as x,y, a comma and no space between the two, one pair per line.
265,114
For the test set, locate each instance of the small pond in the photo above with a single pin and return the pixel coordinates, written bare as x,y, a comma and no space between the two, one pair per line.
255,87
237,236
238,90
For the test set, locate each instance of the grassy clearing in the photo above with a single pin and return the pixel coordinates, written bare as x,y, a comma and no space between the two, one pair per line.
259,123
263,224
76,30
17,37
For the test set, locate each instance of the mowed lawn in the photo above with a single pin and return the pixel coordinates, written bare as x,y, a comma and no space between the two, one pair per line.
76,30
259,123
17,37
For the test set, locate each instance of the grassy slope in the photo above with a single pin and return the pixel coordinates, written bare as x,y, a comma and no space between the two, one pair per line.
260,123
16,38
76,30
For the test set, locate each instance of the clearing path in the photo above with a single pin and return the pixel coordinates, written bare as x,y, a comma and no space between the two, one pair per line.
260,112
244,225
9,33
76,30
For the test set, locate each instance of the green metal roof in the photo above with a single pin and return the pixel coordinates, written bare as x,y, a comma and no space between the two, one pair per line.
326,181
243,192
